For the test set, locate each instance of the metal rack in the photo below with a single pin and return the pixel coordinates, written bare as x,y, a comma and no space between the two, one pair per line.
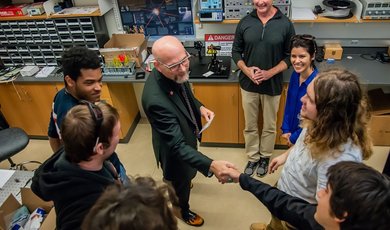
19,179
42,42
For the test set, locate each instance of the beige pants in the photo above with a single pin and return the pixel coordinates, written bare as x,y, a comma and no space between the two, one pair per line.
251,105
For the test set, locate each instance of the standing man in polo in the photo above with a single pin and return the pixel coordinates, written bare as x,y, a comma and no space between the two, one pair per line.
260,50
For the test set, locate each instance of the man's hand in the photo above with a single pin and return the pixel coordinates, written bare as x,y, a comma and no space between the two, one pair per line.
263,75
232,173
218,166
253,74
206,113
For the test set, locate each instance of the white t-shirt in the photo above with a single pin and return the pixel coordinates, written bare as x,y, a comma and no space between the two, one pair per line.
302,176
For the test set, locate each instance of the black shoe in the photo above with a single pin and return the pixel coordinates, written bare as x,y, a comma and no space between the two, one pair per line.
263,167
250,167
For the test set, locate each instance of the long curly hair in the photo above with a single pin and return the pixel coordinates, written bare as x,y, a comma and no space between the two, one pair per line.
342,113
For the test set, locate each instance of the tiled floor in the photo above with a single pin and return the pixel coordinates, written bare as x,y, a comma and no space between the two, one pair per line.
224,207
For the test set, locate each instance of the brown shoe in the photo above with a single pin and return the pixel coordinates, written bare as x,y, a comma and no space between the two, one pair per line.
193,219
258,226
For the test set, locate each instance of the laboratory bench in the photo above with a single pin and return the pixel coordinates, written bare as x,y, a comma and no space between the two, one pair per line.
27,102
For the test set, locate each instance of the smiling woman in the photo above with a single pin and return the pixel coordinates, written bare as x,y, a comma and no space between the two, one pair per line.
303,51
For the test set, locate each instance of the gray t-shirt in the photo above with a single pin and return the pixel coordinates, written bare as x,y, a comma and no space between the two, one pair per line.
302,176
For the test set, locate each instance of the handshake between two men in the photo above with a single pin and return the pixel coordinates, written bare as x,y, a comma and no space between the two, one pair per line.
225,171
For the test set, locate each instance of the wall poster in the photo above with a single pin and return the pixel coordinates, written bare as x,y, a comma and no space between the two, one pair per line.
157,17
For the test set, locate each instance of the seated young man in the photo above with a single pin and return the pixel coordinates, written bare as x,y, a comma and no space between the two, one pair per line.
356,197
76,175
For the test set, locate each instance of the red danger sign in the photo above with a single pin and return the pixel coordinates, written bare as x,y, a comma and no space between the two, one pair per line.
218,37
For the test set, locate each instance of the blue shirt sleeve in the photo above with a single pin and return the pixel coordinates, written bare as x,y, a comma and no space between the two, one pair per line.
290,103
294,135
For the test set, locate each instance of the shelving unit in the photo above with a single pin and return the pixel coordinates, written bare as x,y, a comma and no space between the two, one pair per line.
45,16
318,20
42,42
321,19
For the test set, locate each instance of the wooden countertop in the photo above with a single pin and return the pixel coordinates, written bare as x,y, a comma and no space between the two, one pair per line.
45,16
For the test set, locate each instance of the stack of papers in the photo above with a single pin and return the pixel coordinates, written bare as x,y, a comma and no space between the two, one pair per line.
45,72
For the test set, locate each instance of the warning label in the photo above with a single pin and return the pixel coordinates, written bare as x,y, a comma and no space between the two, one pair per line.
225,41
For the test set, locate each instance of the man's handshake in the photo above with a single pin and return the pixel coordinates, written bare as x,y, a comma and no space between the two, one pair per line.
220,169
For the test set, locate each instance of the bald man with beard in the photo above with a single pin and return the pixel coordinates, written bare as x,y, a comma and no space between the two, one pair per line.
175,117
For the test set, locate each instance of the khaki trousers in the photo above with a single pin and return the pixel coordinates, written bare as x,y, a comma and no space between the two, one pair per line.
254,147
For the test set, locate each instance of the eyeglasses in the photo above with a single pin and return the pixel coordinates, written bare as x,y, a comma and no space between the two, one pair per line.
97,116
176,66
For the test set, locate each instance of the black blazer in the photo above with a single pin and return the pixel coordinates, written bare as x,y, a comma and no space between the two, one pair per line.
174,141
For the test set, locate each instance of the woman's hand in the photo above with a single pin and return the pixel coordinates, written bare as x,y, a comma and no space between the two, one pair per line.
277,161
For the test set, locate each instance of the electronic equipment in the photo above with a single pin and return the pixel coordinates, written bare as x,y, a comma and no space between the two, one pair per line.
210,11
382,57
338,9
210,4
376,9
211,16
198,45
284,6
237,9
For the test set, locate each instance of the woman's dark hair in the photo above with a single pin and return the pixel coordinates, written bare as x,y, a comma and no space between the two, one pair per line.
307,42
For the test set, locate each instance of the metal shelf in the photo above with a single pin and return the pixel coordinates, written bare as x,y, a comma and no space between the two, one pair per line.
42,42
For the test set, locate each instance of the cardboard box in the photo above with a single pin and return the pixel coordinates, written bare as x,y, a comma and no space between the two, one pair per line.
380,121
333,50
14,10
32,202
132,45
